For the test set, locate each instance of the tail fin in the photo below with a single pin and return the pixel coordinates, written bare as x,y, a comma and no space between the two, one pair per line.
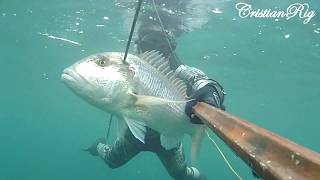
197,137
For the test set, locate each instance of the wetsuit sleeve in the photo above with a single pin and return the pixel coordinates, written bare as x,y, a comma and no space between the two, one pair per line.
199,83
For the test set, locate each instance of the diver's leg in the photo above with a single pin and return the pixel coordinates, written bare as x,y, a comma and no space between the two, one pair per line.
175,163
121,152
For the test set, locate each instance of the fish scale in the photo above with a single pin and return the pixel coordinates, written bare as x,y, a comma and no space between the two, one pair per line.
155,83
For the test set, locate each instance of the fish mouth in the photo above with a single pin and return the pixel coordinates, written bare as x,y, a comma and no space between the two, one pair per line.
72,78
68,76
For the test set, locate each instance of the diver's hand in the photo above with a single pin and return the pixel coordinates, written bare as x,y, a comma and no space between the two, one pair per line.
93,149
207,94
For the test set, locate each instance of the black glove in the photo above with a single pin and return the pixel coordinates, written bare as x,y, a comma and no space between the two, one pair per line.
93,148
207,94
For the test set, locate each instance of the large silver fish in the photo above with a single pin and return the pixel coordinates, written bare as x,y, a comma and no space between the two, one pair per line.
142,91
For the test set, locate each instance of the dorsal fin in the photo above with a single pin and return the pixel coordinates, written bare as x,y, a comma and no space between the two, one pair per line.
166,70
162,65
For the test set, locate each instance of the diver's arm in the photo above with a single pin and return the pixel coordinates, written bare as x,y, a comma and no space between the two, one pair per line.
201,88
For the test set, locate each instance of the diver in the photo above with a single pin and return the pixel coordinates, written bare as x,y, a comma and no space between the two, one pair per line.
154,34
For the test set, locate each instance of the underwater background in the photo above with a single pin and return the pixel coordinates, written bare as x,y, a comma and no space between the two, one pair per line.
269,68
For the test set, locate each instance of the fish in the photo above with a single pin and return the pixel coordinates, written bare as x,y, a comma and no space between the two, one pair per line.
141,92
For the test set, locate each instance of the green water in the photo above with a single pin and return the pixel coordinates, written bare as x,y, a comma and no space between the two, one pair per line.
271,80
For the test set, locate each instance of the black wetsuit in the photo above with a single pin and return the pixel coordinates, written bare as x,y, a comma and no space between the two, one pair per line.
173,160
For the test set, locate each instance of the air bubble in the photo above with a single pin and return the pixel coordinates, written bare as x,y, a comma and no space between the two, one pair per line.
45,76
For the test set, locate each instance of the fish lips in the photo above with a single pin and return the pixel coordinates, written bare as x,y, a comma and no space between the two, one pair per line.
68,76
72,79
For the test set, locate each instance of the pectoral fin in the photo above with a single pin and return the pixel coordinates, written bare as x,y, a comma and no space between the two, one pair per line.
137,128
142,100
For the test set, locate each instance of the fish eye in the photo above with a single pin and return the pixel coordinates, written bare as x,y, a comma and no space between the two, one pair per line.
101,61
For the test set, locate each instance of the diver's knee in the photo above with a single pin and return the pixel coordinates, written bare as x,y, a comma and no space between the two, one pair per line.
113,165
